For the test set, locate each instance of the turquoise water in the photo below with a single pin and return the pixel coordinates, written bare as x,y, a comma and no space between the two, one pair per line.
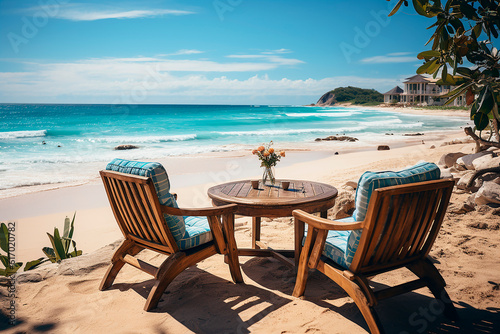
42,144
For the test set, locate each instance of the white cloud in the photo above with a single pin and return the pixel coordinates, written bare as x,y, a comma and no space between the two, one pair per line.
77,15
398,57
270,57
395,54
152,80
279,51
93,12
185,52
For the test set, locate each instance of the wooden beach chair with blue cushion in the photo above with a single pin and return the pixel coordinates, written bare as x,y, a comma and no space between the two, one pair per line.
397,218
148,216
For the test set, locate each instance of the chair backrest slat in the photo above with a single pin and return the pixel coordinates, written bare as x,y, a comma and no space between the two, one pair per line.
137,219
145,212
406,215
137,210
121,205
400,207
401,224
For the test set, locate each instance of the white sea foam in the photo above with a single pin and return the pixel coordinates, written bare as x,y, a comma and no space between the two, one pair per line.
140,139
269,132
323,114
22,134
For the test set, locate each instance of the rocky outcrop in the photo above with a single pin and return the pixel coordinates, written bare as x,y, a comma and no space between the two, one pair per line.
125,147
383,148
339,138
344,205
448,160
467,160
328,99
478,174
485,162
488,193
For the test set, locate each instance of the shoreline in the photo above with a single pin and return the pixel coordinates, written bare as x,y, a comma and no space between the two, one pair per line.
39,212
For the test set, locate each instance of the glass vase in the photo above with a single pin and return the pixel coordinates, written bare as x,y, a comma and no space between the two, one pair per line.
268,178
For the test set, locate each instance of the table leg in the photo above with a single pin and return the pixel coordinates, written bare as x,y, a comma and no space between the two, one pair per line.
324,214
255,232
299,235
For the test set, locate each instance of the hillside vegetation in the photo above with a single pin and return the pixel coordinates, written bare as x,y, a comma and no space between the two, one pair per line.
352,95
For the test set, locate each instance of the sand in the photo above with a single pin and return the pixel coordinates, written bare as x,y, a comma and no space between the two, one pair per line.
64,298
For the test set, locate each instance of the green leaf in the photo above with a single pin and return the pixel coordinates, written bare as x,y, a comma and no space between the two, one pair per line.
423,69
444,74
49,252
4,238
396,8
428,54
473,110
464,71
481,121
486,101
57,245
12,270
5,260
33,264
66,227
70,235
477,30
421,6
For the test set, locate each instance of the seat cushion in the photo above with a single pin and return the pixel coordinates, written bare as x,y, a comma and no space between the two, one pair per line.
197,233
157,173
340,243
369,181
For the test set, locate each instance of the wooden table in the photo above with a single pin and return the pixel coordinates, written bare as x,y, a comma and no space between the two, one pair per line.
273,202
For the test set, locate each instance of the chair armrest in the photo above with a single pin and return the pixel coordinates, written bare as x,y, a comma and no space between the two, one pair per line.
215,211
325,224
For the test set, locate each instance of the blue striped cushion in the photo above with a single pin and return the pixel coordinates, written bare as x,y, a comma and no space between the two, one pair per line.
338,244
369,181
157,173
197,233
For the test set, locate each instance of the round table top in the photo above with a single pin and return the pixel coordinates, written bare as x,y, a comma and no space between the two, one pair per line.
274,201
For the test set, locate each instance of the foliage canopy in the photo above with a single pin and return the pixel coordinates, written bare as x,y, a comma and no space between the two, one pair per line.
462,53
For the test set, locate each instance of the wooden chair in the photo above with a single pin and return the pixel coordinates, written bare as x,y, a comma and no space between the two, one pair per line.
399,230
142,220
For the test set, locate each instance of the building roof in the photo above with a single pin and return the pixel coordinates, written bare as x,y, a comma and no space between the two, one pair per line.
396,90
418,78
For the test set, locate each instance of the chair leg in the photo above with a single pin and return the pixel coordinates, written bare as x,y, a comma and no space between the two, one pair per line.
232,249
426,271
361,301
169,269
303,263
126,247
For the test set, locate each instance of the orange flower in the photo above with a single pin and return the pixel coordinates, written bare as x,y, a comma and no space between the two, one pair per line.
266,153
254,152
271,150
282,153
260,148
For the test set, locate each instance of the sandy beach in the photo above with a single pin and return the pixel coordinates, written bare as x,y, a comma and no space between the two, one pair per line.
65,298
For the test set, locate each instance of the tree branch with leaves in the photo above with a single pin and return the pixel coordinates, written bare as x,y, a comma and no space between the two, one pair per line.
463,55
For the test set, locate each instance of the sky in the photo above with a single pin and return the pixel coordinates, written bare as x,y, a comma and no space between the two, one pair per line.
203,51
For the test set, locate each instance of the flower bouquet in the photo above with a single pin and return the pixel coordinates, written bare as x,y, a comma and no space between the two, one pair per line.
269,158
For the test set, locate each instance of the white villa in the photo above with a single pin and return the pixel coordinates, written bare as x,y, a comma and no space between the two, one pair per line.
423,91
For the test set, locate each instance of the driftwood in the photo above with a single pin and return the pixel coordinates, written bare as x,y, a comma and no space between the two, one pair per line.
481,172
480,141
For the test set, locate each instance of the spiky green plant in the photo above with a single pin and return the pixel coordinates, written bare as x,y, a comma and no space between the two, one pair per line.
10,267
61,245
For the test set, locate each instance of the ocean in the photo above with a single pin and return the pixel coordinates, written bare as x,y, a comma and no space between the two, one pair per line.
48,143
